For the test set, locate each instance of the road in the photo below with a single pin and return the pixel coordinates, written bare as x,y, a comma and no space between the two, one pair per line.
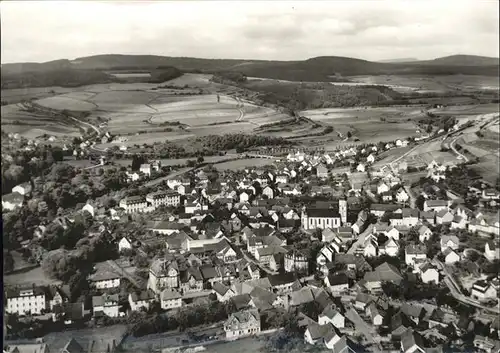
452,146
457,294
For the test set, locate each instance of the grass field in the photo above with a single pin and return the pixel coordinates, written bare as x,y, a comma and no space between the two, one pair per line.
35,275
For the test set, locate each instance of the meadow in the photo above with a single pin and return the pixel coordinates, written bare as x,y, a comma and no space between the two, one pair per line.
34,276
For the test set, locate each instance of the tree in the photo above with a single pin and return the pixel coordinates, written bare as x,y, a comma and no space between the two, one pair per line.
200,159
58,154
349,134
419,202
8,261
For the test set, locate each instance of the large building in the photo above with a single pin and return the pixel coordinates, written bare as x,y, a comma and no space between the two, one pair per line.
163,274
167,198
133,204
296,262
242,323
26,301
322,218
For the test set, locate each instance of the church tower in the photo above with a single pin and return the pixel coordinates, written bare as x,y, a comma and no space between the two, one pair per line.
343,210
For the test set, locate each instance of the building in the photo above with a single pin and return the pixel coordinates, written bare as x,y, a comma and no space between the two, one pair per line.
141,300
29,348
106,304
449,241
164,198
133,204
25,301
435,205
321,171
424,233
483,291
170,298
146,169
314,218
450,256
337,283
296,262
163,274
124,244
428,273
242,323
331,315
491,250
415,253
412,342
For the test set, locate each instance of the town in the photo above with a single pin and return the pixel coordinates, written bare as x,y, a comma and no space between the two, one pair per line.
352,262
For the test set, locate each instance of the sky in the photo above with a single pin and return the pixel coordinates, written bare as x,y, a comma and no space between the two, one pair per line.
41,31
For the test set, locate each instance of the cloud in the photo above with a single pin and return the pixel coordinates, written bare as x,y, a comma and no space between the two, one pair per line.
285,30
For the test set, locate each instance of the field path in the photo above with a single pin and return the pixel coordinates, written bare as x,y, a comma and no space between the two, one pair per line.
240,108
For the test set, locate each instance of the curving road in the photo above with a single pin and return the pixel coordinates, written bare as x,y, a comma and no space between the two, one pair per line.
457,294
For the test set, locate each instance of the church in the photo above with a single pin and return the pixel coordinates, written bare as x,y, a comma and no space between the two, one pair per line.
322,218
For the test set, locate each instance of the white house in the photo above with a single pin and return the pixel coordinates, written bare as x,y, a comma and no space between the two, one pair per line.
141,300
25,301
268,191
424,233
449,241
361,168
330,315
146,169
107,304
89,208
402,196
370,158
491,250
242,323
12,201
415,253
124,244
450,256
382,188
133,204
482,290
428,273
170,298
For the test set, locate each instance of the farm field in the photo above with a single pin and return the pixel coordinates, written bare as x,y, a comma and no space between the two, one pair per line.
27,278
31,125
488,168
431,84
466,110
180,161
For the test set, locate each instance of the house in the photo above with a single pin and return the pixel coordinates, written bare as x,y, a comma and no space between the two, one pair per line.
170,298
375,314
146,169
330,315
410,217
361,168
314,218
486,344
25,301
415,253
450,256
412,342
383,273
429,217
483,291
56,296
321,171
428,273
106,304
370,158
491,250
104,277
296,262
163,273
382,187
263,255
444,217
282,283
337,283
69,313
370,247
124,244
12,201
390,248
268,191
435,205
22,189
379,210
449,241
140,300
191,207
402,196
191,280
242,323
326,334
223,293
424,233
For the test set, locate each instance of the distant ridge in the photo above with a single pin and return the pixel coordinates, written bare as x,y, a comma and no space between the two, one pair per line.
402,60
318,69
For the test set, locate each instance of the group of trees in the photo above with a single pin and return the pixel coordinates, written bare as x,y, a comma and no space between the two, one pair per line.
143,324
232,141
